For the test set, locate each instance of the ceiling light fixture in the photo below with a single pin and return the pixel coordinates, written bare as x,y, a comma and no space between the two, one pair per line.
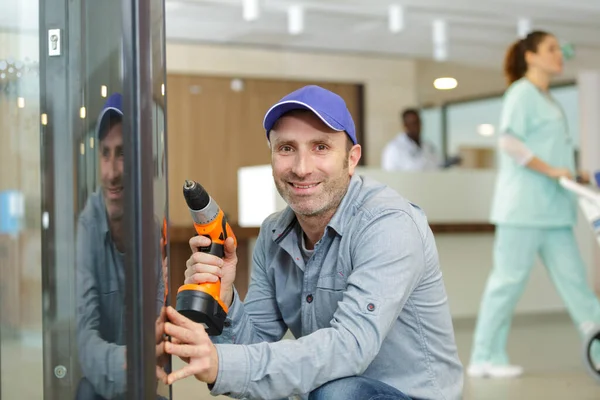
523,27
440,40
295,19
446,83
251,10
396,18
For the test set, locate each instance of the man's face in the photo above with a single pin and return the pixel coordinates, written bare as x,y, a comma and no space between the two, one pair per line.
111,171
311,163
412,125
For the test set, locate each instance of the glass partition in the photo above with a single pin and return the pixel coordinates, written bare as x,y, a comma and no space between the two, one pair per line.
21,312
72,297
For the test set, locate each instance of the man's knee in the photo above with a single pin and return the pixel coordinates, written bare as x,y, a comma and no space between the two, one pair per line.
356,388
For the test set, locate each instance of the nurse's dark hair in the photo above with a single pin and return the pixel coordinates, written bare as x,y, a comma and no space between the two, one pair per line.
515,65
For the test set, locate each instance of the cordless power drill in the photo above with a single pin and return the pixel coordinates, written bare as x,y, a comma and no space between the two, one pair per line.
202,302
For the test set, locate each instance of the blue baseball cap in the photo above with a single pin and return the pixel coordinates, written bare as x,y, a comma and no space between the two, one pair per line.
326,105
112,110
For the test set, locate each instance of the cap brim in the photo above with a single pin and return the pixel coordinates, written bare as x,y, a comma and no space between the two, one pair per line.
283,107
104,119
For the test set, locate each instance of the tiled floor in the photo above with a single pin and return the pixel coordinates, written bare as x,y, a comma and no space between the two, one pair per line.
547,346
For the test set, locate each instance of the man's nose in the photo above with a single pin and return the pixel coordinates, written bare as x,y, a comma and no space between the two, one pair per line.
303,164
113,168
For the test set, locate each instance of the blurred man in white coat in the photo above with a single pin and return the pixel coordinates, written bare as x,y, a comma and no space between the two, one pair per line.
407,151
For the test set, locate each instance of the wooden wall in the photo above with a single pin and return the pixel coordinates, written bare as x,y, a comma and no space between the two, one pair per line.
214,130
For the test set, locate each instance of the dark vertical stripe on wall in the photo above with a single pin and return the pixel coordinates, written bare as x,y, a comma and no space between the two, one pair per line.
444,116
361,128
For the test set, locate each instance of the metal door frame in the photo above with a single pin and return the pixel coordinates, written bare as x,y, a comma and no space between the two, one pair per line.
62,89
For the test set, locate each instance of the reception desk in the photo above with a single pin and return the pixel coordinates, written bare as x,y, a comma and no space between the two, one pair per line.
457,204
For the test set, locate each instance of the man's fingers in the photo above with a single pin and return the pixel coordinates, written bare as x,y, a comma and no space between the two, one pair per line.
175,340
177,319
201,278
205,258
199,241
201,262
182,373
185,335
161,375
187,350
160,349
230,248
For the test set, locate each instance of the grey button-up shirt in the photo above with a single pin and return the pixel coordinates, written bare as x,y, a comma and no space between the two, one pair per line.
100,294
370,301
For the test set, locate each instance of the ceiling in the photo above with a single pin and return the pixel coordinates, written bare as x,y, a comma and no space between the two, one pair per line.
478,31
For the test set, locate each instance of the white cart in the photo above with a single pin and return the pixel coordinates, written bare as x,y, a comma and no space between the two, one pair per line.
589,202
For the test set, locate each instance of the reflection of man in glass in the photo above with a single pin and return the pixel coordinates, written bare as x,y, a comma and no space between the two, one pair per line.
100,270
100,273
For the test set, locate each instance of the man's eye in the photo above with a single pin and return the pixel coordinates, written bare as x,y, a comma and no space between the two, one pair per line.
321,147
286,148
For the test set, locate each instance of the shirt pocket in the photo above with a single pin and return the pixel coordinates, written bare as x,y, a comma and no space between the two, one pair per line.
329,292
111,309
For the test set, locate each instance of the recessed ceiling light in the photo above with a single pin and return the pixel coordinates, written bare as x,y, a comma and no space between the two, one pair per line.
295,19
251,10
445,83
396,18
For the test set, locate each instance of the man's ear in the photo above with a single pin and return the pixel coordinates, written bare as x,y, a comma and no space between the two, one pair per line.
354,157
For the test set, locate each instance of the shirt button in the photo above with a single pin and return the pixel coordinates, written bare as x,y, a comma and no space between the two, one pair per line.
309,298
227,324
370,307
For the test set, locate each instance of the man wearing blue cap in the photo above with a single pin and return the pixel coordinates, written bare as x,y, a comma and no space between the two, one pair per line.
349,267
100,288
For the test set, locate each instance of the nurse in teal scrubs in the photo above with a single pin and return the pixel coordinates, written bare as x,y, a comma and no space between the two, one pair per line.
533,214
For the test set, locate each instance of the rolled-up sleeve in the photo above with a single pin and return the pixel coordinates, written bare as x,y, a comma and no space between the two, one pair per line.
388,262
515,148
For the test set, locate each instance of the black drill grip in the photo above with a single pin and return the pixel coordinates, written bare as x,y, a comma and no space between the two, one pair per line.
215,249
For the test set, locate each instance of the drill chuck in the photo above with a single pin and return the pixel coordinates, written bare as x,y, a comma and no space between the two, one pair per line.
203,209
195,195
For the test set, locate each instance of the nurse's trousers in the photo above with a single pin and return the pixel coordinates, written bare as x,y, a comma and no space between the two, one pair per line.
515,250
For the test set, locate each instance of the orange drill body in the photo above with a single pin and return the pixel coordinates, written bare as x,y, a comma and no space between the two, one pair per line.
214,230
202,302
